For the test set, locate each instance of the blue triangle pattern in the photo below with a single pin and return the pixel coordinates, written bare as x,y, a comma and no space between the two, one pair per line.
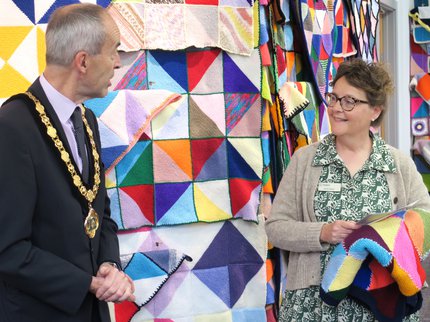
235,81
423,111
109,155
216,166
240,275
170,65
217,280
182,211
141,267
166,195
27,7
99,105
237,165
127,163
55,5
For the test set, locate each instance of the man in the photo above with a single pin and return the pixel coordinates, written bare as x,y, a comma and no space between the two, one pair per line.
59,254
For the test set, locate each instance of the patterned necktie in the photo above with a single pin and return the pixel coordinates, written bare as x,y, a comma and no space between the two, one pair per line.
78,126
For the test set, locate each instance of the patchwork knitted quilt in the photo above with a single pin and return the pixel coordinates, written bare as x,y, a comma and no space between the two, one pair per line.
197,159
379,265
175,25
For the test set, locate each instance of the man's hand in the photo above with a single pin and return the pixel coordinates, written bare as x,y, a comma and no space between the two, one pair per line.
337,231
112,285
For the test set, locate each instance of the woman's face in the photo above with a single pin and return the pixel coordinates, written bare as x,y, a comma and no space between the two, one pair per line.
355,122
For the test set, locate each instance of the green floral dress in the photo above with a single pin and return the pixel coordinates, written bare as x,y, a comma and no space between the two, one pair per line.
366,192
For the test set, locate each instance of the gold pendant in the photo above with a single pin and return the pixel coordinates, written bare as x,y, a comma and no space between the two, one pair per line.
91,223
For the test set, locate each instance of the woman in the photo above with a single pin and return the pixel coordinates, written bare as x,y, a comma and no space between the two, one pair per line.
330,185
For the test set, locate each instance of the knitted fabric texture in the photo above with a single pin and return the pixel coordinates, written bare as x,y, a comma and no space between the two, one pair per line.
379,265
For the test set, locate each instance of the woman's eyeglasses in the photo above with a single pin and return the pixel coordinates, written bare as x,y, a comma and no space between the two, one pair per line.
346,102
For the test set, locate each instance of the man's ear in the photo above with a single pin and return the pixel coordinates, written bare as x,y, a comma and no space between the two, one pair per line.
80,61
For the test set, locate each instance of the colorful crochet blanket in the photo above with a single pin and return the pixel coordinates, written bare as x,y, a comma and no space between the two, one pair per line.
175,25
379,265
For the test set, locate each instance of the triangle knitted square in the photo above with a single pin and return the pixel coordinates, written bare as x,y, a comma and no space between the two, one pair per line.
215,167
182,211
235,78
230,247
57,3
136,76
205,71
166,195
237,106
419,108
17,13
141,266
212,200
243,194
172,122
136,166
212,106
135,200
11,81
238,166
201,125
33,43
168,70
201,151
198,63
172,159
239,276
217,279
14,36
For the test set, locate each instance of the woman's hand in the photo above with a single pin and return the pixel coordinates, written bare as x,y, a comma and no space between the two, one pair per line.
337,231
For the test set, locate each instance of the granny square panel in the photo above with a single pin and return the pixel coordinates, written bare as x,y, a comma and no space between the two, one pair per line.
223,276
22,36
380,265
179,24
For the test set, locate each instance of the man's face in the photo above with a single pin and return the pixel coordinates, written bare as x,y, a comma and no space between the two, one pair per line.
101,66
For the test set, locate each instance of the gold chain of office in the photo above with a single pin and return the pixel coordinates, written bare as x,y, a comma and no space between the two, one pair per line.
91,222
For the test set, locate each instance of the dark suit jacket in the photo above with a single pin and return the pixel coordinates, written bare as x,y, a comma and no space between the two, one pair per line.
46,259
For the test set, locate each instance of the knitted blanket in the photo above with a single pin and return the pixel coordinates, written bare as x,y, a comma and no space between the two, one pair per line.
379,265
176,25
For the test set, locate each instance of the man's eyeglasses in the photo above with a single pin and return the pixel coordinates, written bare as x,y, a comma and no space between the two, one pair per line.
346,102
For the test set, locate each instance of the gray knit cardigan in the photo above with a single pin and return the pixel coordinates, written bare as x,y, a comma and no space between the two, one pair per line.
292,225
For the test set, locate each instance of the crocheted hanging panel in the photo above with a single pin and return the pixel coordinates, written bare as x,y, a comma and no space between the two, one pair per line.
222,279
22,51
380,264
199,158
365,22
175,25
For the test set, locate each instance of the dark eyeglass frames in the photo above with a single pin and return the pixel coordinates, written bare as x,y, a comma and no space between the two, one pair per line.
347,103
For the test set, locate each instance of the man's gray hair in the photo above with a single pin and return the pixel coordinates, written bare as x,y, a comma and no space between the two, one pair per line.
74,28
